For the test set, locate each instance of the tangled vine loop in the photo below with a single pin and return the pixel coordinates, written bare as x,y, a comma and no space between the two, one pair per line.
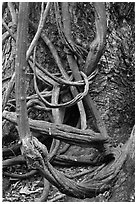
67,104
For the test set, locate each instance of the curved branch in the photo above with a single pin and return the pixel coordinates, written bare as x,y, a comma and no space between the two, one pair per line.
58,116
40,27
97,46
72,62
98,181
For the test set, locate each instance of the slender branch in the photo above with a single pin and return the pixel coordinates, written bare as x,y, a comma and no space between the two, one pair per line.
66,80
97,46
40,27
13,13
59,80
67,104
37,103
72,63
21,176
42,73
5,36
98,181
53,51
69,43
87,99
13,161
58,116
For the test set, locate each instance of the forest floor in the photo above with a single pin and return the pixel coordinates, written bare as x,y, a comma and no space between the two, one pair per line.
16,190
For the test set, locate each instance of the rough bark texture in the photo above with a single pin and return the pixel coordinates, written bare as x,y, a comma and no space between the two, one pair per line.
20,68
71,39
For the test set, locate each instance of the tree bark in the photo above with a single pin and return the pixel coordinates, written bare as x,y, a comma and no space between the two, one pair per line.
20,68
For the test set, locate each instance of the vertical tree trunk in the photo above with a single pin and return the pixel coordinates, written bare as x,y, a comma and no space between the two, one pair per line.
20,67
